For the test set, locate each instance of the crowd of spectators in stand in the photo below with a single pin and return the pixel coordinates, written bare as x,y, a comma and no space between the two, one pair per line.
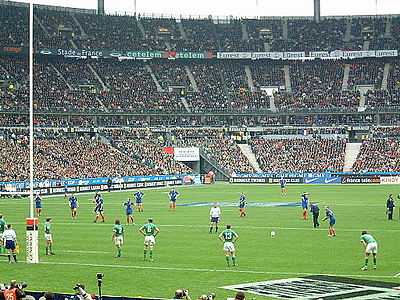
299,155
14,26
60,29
385,132
366,72
378,155
267,74
382,98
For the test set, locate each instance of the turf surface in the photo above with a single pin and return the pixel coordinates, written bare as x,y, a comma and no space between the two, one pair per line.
188,257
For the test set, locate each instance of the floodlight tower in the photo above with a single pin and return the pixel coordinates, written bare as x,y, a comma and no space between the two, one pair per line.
100,7
317,10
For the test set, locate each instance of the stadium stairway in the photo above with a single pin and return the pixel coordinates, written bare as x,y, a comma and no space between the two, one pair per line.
351,153
249,77
345,82
388,29
61,76
185,104
347,35
285,29
83,33
141,28
193,82
366,45
158,85
288,84
245,34
385,77
248,152
182,31
209,164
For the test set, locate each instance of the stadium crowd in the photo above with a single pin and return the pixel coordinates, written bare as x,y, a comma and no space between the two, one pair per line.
299,155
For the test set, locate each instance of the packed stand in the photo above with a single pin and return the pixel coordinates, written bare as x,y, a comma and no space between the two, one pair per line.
378,155
110,33
200,35
14,26
299,155
366,72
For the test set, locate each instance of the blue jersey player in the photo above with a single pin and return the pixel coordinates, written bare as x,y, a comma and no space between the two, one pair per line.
73,204
128,205
99,209
282,183
332,220
173,196
38,204
304,204
139,199
65,191
242,204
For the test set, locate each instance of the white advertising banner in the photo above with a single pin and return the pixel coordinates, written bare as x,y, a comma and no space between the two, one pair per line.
311,55
390,180
187,154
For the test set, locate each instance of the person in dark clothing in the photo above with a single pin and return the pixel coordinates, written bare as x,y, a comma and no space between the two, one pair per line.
390,207
109,184
315,212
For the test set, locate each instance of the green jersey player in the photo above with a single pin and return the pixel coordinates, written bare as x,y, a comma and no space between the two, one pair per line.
48,237
2,228
229,237
370,246
118,237
149,231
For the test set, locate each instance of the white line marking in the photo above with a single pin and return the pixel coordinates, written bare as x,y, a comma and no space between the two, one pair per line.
79,251
208,226
397,275
209,270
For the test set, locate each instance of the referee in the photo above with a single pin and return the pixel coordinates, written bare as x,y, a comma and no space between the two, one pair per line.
390,207
215,214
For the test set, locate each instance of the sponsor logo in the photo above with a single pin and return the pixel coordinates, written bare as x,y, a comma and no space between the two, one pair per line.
327,180
310,180
320,287
351,180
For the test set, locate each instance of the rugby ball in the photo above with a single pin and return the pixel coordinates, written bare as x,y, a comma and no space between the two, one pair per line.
272,234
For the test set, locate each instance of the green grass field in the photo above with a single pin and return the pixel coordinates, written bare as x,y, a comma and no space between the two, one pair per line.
188,257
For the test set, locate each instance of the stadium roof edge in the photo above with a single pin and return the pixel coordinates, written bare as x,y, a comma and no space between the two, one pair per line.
180,17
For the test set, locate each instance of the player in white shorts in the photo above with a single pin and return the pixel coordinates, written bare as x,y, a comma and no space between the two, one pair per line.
229,237
149,231
371,247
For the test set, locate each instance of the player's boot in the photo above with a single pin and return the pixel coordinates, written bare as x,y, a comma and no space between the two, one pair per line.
364,268
375,267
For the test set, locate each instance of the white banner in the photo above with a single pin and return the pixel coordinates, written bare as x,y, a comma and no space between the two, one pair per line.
390,180
187,154
312,54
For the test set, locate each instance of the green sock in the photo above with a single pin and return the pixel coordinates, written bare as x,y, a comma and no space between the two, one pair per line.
47,249
234,260
2,250
211,229
51,248
374,259
144,254
366,262
151,254
119,251
227,259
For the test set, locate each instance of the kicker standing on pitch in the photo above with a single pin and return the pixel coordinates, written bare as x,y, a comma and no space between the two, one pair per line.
229,237
149,231
370,246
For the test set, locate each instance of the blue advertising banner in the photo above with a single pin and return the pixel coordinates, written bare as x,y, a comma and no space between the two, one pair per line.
323,180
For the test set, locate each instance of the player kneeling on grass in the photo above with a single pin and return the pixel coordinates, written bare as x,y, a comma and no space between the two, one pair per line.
229,237
149,231
118,237
370,246
48,237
